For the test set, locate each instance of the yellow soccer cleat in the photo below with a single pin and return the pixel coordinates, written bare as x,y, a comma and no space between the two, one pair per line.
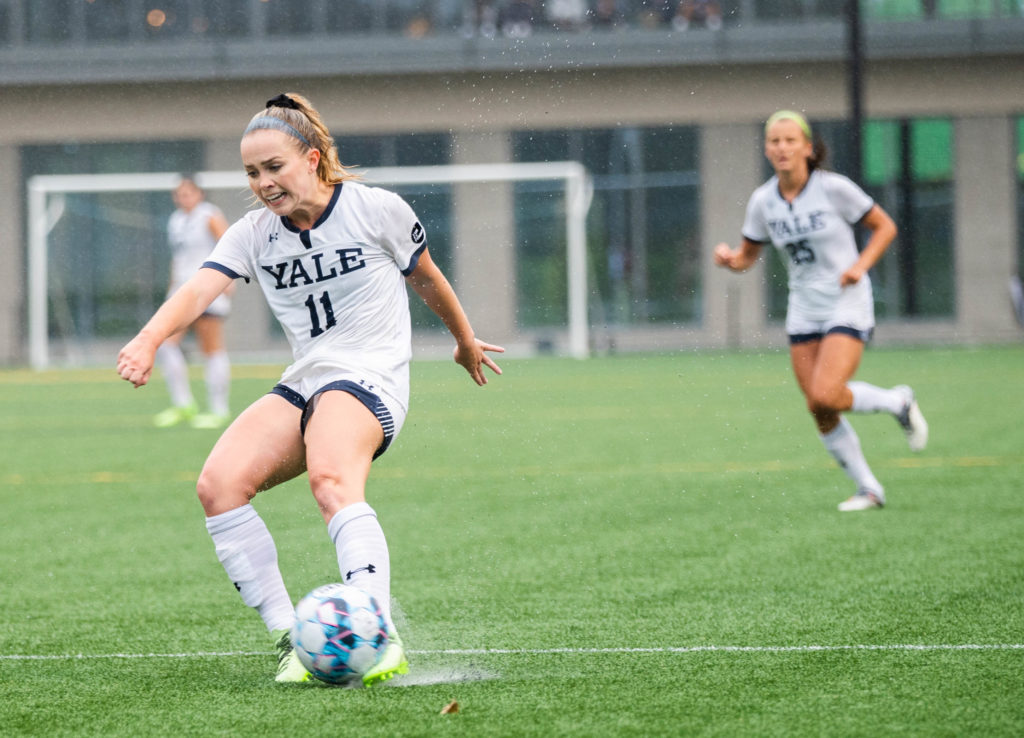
173,416
289,668
392,662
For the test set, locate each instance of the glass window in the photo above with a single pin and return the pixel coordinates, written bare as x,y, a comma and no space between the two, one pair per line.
909,172
287,17
108,260
110,20
222,17
50,21
643,226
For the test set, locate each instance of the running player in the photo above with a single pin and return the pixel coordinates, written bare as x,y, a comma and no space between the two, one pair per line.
333,258
192,231
807,214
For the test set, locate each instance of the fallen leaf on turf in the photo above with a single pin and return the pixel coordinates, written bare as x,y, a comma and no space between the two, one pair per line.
451,708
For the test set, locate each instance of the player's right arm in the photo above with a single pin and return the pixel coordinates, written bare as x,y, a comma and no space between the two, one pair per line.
136,359
738,259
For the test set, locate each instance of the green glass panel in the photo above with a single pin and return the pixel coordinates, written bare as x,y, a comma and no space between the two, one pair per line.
931,149
881,152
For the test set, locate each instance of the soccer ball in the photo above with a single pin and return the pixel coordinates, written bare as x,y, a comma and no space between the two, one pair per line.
339,633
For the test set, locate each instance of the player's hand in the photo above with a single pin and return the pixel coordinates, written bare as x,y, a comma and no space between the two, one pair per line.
723,255
472,358
851,276
135,361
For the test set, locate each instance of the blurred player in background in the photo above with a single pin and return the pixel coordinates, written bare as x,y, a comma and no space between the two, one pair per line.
333,258
808,214
192,231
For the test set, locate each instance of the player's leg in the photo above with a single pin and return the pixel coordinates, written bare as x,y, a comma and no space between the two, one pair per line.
342,437
209,331
173,366
823,367
262,448
900,402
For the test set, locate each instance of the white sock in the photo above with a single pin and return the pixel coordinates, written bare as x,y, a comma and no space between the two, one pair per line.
867,398
363,553
175,371
249,556
218,381
844,445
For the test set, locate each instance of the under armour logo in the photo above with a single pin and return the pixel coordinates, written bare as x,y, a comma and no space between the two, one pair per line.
369,569
273,237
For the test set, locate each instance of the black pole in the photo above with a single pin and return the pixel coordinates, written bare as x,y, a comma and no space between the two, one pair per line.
854,65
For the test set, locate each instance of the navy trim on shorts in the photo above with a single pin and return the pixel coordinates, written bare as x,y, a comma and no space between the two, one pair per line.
370,400
862,336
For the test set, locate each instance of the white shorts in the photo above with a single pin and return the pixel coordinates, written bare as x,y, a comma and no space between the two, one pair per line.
304,392
853,314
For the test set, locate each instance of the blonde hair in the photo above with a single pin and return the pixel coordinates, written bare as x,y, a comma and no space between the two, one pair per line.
293,114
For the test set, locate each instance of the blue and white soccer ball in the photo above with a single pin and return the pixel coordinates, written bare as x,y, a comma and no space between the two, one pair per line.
339,633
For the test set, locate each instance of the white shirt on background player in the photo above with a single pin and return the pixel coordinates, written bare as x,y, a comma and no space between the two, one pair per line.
191,242
338,289
815,238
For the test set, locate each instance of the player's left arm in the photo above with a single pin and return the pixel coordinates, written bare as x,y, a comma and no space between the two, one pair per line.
883,231
430,284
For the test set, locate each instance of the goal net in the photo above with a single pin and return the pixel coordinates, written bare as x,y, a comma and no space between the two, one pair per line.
511,237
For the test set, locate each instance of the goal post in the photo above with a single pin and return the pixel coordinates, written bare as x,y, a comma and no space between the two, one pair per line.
46,195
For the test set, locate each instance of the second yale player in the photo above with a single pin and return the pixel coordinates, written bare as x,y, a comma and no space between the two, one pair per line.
807,214
333,258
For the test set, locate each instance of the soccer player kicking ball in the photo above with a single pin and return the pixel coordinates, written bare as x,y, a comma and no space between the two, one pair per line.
333,258
807,214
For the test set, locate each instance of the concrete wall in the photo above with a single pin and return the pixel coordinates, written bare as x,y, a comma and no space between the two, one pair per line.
481,110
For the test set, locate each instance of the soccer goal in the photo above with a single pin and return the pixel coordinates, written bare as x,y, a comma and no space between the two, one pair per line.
97,245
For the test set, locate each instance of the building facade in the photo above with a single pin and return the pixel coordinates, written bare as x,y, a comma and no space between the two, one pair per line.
666,116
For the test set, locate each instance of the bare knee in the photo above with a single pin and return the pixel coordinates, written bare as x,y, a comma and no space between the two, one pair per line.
333,491
219,492
827,399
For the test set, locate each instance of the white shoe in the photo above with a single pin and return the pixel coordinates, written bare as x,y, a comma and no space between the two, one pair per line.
912,421
863,500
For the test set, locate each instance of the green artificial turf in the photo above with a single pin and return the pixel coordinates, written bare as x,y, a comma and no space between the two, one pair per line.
633,545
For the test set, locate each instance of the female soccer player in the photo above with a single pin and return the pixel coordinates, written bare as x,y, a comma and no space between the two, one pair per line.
333,258
192,231
807,214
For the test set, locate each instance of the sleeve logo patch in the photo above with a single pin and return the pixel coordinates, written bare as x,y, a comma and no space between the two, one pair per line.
417,234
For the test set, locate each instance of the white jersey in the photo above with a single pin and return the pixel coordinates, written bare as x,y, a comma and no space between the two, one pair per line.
338,289
191,240
814,236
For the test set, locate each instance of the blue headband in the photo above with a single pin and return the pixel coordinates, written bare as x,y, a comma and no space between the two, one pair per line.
271,123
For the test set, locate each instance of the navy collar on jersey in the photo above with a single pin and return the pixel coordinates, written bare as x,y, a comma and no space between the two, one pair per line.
789,203
304,234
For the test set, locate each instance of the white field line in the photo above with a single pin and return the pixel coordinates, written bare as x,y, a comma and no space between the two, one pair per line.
554,651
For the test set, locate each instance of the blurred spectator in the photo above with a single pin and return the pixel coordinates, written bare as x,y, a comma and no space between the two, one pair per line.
607,14
479,16
652,13
517,19
566,15
706,13
418,27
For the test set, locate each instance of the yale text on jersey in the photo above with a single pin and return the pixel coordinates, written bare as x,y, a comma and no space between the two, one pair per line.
311,269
